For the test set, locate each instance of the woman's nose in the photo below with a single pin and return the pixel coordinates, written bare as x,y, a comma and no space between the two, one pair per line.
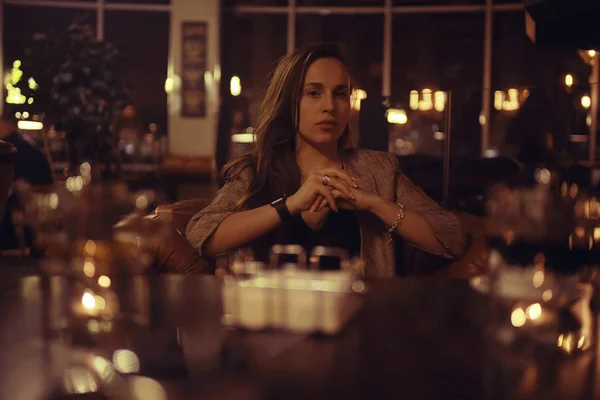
328,102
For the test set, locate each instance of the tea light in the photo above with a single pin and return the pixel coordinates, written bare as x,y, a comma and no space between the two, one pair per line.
94,305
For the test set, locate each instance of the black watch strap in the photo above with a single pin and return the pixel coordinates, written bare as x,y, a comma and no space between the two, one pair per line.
281,208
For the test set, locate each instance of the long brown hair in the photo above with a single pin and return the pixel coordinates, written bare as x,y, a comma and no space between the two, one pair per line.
273,163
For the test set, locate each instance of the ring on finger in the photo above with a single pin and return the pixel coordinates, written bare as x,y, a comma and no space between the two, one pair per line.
325,180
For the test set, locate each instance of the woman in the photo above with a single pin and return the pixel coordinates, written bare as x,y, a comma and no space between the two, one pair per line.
304,184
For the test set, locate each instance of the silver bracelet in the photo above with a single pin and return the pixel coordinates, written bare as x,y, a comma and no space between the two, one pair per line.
397,222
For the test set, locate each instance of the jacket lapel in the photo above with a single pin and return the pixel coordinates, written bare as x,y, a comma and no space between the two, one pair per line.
353,167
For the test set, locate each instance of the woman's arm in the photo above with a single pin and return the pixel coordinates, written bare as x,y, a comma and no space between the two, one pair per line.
413,227
425,224
241,228
444,227
219,228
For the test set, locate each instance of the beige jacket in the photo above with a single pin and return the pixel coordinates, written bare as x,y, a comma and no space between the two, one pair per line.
375,171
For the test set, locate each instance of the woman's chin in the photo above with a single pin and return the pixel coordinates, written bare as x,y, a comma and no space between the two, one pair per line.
325,137
322,138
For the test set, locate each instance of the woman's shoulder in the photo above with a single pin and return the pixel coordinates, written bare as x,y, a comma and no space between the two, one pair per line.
242,168
374,159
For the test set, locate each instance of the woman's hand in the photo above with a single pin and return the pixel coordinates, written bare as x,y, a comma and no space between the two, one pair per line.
363,200
320,184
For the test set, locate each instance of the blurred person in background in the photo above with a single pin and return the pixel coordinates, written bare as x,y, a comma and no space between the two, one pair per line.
32,166
304,183
538,132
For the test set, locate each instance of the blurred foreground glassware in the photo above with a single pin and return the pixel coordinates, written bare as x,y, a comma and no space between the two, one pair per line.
538,253
98,248
293,296
84,374
98,288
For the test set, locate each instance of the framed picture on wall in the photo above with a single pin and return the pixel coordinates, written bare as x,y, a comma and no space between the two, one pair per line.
193,67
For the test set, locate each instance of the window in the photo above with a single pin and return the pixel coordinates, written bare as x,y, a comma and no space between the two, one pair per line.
21,23
146,52
361,42
139,1
79,1
531,92
431,54
437,2
230,3
251,47
346,3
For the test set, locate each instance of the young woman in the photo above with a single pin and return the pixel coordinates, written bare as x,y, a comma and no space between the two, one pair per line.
304,184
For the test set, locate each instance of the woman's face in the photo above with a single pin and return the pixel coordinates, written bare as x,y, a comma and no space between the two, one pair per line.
325,102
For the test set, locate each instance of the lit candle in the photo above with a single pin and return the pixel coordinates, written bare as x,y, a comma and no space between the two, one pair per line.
94,305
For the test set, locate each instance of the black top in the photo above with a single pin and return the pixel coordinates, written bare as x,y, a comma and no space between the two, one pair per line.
341,230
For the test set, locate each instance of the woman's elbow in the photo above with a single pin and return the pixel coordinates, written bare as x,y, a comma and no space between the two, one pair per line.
209,249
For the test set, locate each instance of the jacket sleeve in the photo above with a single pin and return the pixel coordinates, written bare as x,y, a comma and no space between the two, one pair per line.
203,224
446,227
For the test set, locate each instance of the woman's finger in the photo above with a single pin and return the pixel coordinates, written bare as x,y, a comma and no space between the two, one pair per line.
316,203
323,204
336,195
329,196
340,186
332,172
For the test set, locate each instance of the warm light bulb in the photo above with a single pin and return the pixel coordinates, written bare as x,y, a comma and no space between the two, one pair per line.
356,97
586,102
498,99
235,86
397,116
414,100
439,101
569,80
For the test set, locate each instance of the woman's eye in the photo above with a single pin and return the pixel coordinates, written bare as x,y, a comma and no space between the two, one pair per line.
342,95
313,93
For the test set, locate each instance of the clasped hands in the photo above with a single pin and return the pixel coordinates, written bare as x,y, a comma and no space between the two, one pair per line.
329,188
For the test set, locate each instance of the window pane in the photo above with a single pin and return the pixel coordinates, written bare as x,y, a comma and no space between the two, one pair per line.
21,23
437,2
541,102
143,38
362,43
519,61
80,1
432,54
140,1
230,3
252,45
342,3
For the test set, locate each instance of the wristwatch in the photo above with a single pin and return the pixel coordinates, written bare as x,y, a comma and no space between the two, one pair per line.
281,208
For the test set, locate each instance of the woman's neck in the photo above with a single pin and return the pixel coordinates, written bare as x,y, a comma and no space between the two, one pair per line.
310,157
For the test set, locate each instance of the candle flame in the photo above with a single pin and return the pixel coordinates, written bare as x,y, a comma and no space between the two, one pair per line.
88,300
